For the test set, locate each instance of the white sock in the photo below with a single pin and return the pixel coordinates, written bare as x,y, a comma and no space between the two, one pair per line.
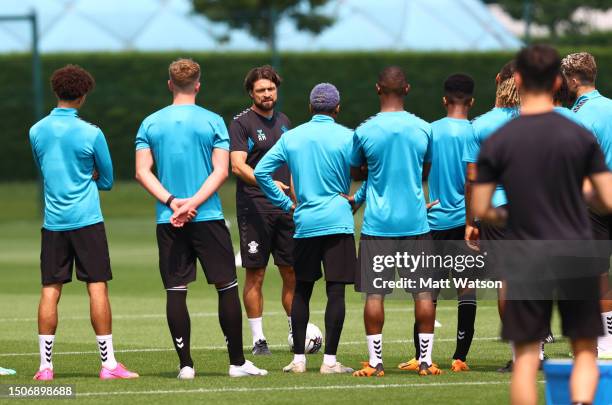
289,322
256,325
375,349
542,350
107,353
299,358
426,341
513,351
329,360
604,342
45,345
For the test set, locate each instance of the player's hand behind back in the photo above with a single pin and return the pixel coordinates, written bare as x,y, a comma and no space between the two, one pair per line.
184,211
354,205
282,186
472,237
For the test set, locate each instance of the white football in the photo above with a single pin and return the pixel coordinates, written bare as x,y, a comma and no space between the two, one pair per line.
314,339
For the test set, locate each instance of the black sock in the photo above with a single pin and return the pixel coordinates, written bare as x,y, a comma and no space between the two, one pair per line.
300,313
415,338
466,316
230,319
179,324
334,316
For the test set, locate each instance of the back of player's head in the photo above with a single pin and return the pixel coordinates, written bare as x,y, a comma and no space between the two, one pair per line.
562,95
507,71
459,89
580,66
324,98
262,72
71,82
184,74
506,94
392,81
539,67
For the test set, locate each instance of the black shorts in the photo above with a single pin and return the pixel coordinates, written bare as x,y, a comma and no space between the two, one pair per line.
374,276
492,232
262,234
451,242
490,237
207,241
601,226
336,252
457,233
87,247
526,321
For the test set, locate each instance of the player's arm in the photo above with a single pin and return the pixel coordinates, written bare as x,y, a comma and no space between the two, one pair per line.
241,169
425,178
272,160
489,172
600,197
358,163
471,173
427,168
146,177
470,153
103,175
356,200
481,205
239,147
292,193
598,187
34,154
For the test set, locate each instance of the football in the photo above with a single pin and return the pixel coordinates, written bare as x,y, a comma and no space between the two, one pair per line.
314,339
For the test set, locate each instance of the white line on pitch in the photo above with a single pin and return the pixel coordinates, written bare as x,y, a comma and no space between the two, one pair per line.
164,349
162,314
296,388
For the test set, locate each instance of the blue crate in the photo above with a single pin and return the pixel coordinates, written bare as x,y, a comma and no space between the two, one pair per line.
557,382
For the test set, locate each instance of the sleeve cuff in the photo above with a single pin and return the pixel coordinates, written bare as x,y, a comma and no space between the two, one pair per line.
287,203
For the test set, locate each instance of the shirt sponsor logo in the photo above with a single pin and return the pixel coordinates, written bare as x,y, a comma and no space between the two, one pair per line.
253,247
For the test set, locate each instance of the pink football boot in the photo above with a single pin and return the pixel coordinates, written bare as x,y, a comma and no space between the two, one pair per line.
44,375
119,372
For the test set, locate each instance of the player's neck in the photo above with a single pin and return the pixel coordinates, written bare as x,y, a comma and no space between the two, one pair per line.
68,104
183,98
536,103
459,112
263,113
582,90
391,104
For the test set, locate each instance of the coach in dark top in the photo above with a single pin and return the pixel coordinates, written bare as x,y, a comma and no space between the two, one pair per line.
541,158
263,228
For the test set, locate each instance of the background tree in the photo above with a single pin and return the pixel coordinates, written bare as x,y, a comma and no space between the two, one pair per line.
556,15
260,17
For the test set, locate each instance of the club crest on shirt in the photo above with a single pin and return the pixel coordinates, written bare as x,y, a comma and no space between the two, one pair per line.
253,247
284,129
260,135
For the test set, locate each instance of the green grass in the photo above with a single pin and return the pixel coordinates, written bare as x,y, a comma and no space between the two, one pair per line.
143,342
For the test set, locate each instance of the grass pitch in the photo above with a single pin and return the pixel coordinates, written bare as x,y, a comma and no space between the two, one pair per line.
142,340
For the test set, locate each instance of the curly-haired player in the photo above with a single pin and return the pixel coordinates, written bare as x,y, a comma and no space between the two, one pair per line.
75,163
